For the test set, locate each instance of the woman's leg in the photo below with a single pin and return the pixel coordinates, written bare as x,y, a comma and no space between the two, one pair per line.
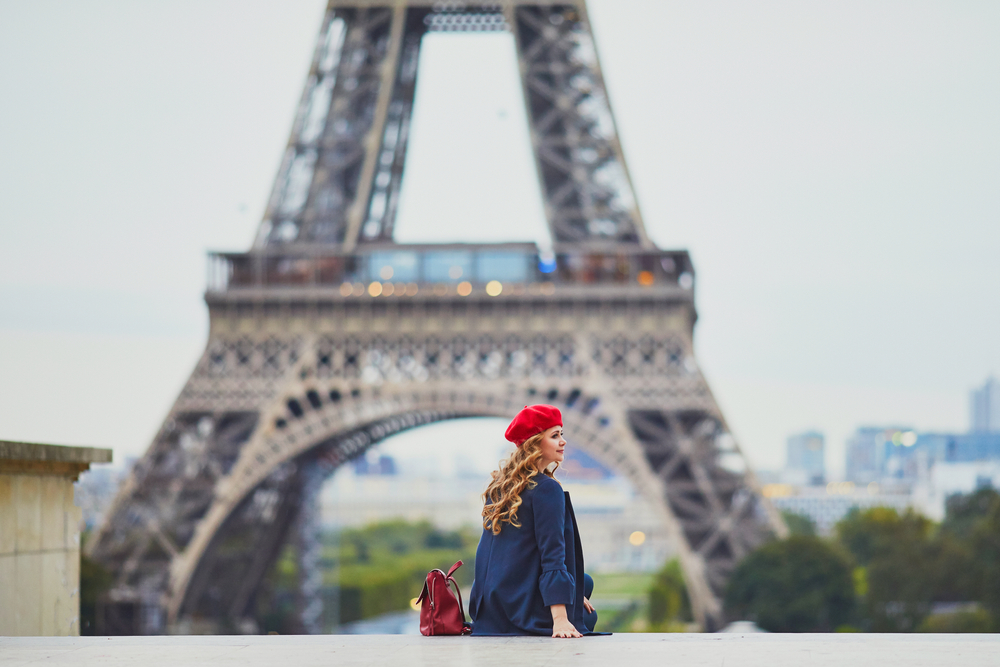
589,619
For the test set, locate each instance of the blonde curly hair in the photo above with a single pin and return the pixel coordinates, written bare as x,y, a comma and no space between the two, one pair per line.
503,495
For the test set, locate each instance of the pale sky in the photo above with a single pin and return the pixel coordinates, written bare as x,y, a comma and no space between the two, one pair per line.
834,169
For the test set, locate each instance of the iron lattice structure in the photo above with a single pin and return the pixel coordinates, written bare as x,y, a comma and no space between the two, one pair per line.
327,337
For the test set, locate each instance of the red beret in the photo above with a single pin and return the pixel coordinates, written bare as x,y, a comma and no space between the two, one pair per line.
532,420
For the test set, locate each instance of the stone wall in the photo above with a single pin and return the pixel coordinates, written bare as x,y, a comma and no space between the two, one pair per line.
40,538
39,556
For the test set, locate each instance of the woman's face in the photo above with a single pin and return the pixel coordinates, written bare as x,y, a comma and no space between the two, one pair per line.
552,446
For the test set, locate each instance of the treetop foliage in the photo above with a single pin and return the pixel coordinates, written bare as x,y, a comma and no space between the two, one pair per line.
898,565
800,584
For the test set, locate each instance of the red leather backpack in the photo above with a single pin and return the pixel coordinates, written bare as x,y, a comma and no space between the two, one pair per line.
441,613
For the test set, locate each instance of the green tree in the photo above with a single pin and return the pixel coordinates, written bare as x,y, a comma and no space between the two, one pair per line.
801,584
799,524
964,511
985,543
966,557
94,582
956,572
901,565
669,605
978,621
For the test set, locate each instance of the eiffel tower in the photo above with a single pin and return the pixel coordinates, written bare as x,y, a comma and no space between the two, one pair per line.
327,337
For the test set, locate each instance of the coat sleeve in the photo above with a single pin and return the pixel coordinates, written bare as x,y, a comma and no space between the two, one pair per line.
549,507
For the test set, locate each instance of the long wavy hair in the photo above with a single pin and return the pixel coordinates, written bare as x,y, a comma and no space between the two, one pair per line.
503,495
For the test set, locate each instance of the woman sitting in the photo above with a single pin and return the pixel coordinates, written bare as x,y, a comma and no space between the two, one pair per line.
529,564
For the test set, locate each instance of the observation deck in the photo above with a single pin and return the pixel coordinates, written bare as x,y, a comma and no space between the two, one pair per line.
437,271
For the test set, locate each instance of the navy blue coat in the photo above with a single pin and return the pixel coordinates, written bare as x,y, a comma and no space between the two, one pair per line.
522,571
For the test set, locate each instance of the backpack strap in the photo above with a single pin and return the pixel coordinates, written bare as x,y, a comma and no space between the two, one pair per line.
423,593
458,591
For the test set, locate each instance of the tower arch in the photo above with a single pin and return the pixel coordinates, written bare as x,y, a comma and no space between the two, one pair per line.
261,488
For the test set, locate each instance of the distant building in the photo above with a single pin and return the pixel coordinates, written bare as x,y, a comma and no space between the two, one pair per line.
372,465
956,447
959,477
985,407
868,449
825,506
928,467
804,463
903,455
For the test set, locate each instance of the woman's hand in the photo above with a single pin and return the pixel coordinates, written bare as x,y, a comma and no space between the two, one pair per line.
561,627
587,606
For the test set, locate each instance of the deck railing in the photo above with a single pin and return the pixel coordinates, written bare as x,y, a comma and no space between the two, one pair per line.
416,267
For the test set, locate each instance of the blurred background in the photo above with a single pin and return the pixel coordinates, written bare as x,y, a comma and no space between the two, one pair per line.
833,169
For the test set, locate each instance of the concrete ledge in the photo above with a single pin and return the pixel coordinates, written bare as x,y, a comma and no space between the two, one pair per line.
29,458
639,650
31,451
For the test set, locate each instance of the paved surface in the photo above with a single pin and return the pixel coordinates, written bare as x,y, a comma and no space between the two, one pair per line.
633,650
